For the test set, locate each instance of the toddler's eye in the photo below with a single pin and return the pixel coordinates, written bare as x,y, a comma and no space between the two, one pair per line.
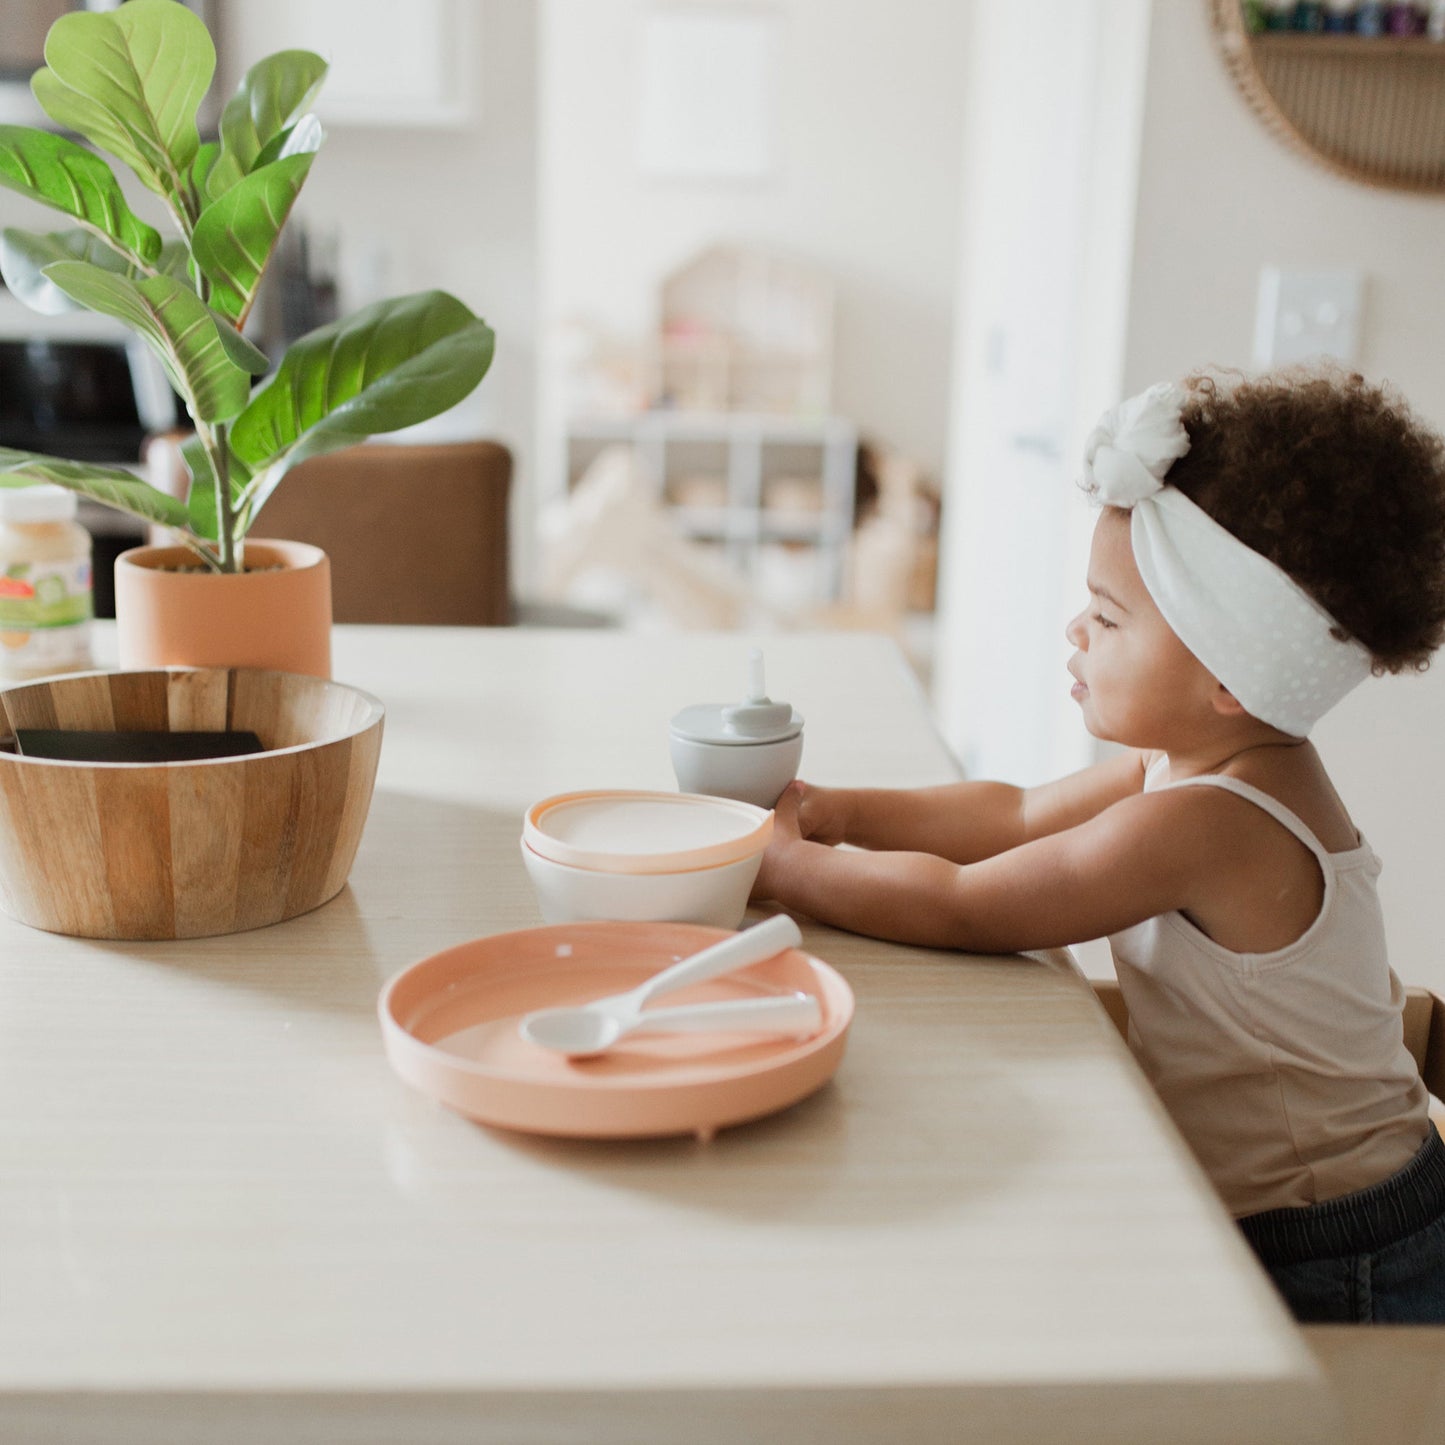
1104,621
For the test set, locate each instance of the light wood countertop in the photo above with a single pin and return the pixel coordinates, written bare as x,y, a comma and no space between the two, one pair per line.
223,1218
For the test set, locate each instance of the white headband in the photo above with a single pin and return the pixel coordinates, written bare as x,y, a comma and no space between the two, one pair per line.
1245,619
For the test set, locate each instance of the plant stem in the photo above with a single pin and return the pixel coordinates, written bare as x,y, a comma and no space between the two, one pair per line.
222,554
225,516
199,549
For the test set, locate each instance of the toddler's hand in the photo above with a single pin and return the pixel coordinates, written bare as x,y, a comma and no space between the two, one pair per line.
797,813
821,814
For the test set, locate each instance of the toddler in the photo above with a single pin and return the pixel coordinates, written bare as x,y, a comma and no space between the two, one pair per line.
1263,547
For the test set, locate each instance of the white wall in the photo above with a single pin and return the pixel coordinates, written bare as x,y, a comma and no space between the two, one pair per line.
1218,198
869,133
453,208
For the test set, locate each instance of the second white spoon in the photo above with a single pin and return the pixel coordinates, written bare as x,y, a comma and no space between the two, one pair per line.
580,1033
592,1027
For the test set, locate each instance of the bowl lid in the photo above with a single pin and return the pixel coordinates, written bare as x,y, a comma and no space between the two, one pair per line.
616,831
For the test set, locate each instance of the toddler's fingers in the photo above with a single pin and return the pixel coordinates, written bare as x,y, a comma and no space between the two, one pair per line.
789,800
813,813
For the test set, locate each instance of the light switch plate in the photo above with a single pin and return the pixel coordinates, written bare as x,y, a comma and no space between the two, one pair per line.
1306,314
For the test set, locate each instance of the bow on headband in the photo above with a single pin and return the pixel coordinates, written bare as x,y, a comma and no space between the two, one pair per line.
1134,445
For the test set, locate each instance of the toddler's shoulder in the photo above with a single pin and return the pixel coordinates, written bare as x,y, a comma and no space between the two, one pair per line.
1168,828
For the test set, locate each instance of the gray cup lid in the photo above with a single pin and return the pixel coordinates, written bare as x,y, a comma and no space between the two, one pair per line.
756,719
737,724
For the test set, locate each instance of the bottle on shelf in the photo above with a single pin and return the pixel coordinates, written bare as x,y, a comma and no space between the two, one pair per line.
1405,18
1339,17
1370,18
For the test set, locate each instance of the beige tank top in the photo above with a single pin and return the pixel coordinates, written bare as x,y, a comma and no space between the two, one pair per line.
1286,1072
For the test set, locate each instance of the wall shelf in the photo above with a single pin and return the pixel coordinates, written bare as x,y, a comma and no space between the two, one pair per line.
746,442
1369,108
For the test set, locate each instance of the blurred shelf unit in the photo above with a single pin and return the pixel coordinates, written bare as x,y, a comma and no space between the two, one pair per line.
1367,107
742,329
743,480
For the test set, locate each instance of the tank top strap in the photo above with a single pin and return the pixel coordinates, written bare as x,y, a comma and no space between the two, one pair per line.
1260,799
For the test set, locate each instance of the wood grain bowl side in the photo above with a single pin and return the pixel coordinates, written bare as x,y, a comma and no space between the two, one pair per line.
185,849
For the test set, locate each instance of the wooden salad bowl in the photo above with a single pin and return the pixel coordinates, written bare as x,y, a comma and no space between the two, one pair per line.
184,849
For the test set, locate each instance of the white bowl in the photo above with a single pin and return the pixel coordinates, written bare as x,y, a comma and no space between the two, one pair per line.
716,896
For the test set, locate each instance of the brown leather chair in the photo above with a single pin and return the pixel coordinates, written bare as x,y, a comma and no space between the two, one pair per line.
414,533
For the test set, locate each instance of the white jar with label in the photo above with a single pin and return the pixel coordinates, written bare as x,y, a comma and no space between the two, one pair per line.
46,601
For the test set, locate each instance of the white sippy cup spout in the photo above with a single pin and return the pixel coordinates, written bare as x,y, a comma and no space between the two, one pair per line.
757,692
759,715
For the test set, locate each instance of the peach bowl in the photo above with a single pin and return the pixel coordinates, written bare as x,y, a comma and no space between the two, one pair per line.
449,1025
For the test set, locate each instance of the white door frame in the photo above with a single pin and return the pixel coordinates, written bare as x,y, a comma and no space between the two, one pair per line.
1051,173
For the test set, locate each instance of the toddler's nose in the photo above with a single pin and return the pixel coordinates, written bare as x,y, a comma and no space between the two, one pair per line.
1076,633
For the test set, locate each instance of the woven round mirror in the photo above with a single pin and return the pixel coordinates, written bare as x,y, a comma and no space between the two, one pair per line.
1371,108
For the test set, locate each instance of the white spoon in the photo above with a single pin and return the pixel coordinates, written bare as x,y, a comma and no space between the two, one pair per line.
583,1032
593,1027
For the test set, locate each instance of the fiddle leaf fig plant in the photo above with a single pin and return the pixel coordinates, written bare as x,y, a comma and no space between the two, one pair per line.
130,81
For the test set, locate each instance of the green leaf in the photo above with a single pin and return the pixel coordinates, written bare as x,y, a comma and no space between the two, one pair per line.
82,115
201,510
201,170
236,234
243,352
25,254
140,72
391,365
57,172
175,260
114,486
202,515
179,326
269,98
303,137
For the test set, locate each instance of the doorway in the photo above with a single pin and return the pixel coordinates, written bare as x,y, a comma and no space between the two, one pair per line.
1051,165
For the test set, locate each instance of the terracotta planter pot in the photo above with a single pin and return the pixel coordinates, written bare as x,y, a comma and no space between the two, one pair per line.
278,619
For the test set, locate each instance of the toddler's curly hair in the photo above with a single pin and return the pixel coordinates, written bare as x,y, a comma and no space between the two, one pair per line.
1336,481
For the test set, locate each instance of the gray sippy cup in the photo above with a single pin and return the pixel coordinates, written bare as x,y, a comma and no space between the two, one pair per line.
747,750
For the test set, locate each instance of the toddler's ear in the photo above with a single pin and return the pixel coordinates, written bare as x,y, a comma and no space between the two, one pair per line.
1225,702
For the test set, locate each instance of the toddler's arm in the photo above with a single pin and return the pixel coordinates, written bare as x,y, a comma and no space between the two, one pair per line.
963,822
1138,858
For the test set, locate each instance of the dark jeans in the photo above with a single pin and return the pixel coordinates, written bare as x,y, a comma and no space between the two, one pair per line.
1377,1255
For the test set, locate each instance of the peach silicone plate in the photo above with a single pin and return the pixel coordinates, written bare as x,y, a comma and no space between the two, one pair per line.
449,1024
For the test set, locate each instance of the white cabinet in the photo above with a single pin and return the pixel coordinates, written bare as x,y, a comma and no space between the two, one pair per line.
411,64
743,480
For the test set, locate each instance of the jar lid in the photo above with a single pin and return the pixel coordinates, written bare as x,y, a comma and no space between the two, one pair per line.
40,502
756,719
614,831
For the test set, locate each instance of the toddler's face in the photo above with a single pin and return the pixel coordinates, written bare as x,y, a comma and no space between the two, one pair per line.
1135,681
